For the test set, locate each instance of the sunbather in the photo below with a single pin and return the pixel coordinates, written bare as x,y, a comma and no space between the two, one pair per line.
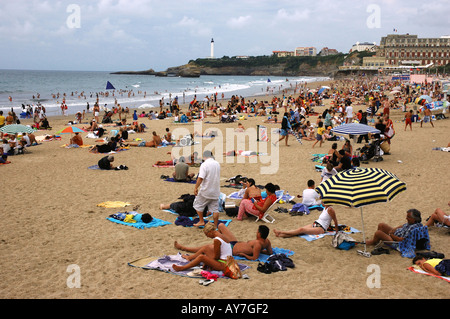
435,266
319,226
439,217
251,191
213,256
250,249
257,207
155,142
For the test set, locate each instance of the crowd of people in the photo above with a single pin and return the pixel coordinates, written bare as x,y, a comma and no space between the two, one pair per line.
256,201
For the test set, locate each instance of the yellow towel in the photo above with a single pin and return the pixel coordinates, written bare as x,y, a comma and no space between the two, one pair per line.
113,204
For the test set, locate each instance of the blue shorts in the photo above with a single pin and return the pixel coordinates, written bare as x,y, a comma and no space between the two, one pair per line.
141,144
283,132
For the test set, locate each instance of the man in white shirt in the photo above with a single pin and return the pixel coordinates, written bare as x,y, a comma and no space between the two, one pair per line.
310,196
207,189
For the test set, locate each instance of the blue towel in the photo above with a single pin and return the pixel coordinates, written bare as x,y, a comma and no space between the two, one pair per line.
190,221
263,257
140,225
171,179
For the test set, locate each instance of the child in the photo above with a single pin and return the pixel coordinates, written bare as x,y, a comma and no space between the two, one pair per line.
435,266
319,135
408,120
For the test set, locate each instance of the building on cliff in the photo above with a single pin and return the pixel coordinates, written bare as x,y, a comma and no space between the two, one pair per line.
399,49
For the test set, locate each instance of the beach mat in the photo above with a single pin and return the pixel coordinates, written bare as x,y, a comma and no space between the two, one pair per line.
422,272
165,263
263,257
113,204
190,221
173,180
141,225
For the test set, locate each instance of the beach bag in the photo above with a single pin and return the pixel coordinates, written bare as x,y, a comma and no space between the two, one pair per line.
232,211
342,241
232,269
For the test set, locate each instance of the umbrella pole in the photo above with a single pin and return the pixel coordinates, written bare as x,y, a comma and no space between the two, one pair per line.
364,253
364,234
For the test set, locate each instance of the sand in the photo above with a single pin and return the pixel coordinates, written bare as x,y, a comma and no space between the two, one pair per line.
50,221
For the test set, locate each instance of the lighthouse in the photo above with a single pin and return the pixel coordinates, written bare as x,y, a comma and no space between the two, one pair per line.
212,48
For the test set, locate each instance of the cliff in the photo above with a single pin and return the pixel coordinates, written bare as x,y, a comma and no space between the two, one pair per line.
259,65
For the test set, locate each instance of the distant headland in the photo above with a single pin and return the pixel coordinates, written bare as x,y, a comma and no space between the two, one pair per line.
259,65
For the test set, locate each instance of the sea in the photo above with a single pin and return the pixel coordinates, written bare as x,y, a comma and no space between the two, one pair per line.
21,88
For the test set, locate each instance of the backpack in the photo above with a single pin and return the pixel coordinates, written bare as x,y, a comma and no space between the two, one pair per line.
342,241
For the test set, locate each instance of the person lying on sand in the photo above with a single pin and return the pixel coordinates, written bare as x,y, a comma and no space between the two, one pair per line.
155,142
319,226
250,249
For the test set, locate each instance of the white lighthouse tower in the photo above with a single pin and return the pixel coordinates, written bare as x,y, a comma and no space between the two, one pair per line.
212,48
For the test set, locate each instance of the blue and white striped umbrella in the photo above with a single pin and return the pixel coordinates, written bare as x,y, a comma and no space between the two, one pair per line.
355,129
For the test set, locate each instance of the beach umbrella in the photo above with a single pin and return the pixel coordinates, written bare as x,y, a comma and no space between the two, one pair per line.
71,129
359,187
355,129
16,128
426,97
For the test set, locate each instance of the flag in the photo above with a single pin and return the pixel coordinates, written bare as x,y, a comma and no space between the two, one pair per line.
109,86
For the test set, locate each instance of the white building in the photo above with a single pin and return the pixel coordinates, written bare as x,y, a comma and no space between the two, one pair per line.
364,46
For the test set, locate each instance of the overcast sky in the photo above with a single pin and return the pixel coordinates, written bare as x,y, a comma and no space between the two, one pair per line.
113,35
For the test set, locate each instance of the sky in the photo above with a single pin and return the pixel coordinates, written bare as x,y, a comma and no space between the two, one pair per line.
134,35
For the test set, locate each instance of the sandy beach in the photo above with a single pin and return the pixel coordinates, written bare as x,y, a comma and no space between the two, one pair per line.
50,221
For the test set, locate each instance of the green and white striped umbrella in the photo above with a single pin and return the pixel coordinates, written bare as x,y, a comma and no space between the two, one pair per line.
16,128
360,187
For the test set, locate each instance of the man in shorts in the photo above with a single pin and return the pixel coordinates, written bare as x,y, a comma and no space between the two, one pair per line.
427,117
207,189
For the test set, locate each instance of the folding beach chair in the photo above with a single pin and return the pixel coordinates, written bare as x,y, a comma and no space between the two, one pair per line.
266,217
418,239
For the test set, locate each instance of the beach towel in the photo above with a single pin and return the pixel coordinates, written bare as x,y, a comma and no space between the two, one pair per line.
407,246
328,233
113,204
235,195
318,158
264,257
420,271
190,221
173,180
165,263
76,146
141,225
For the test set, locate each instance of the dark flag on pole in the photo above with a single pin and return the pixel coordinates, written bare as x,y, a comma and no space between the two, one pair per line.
109,86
